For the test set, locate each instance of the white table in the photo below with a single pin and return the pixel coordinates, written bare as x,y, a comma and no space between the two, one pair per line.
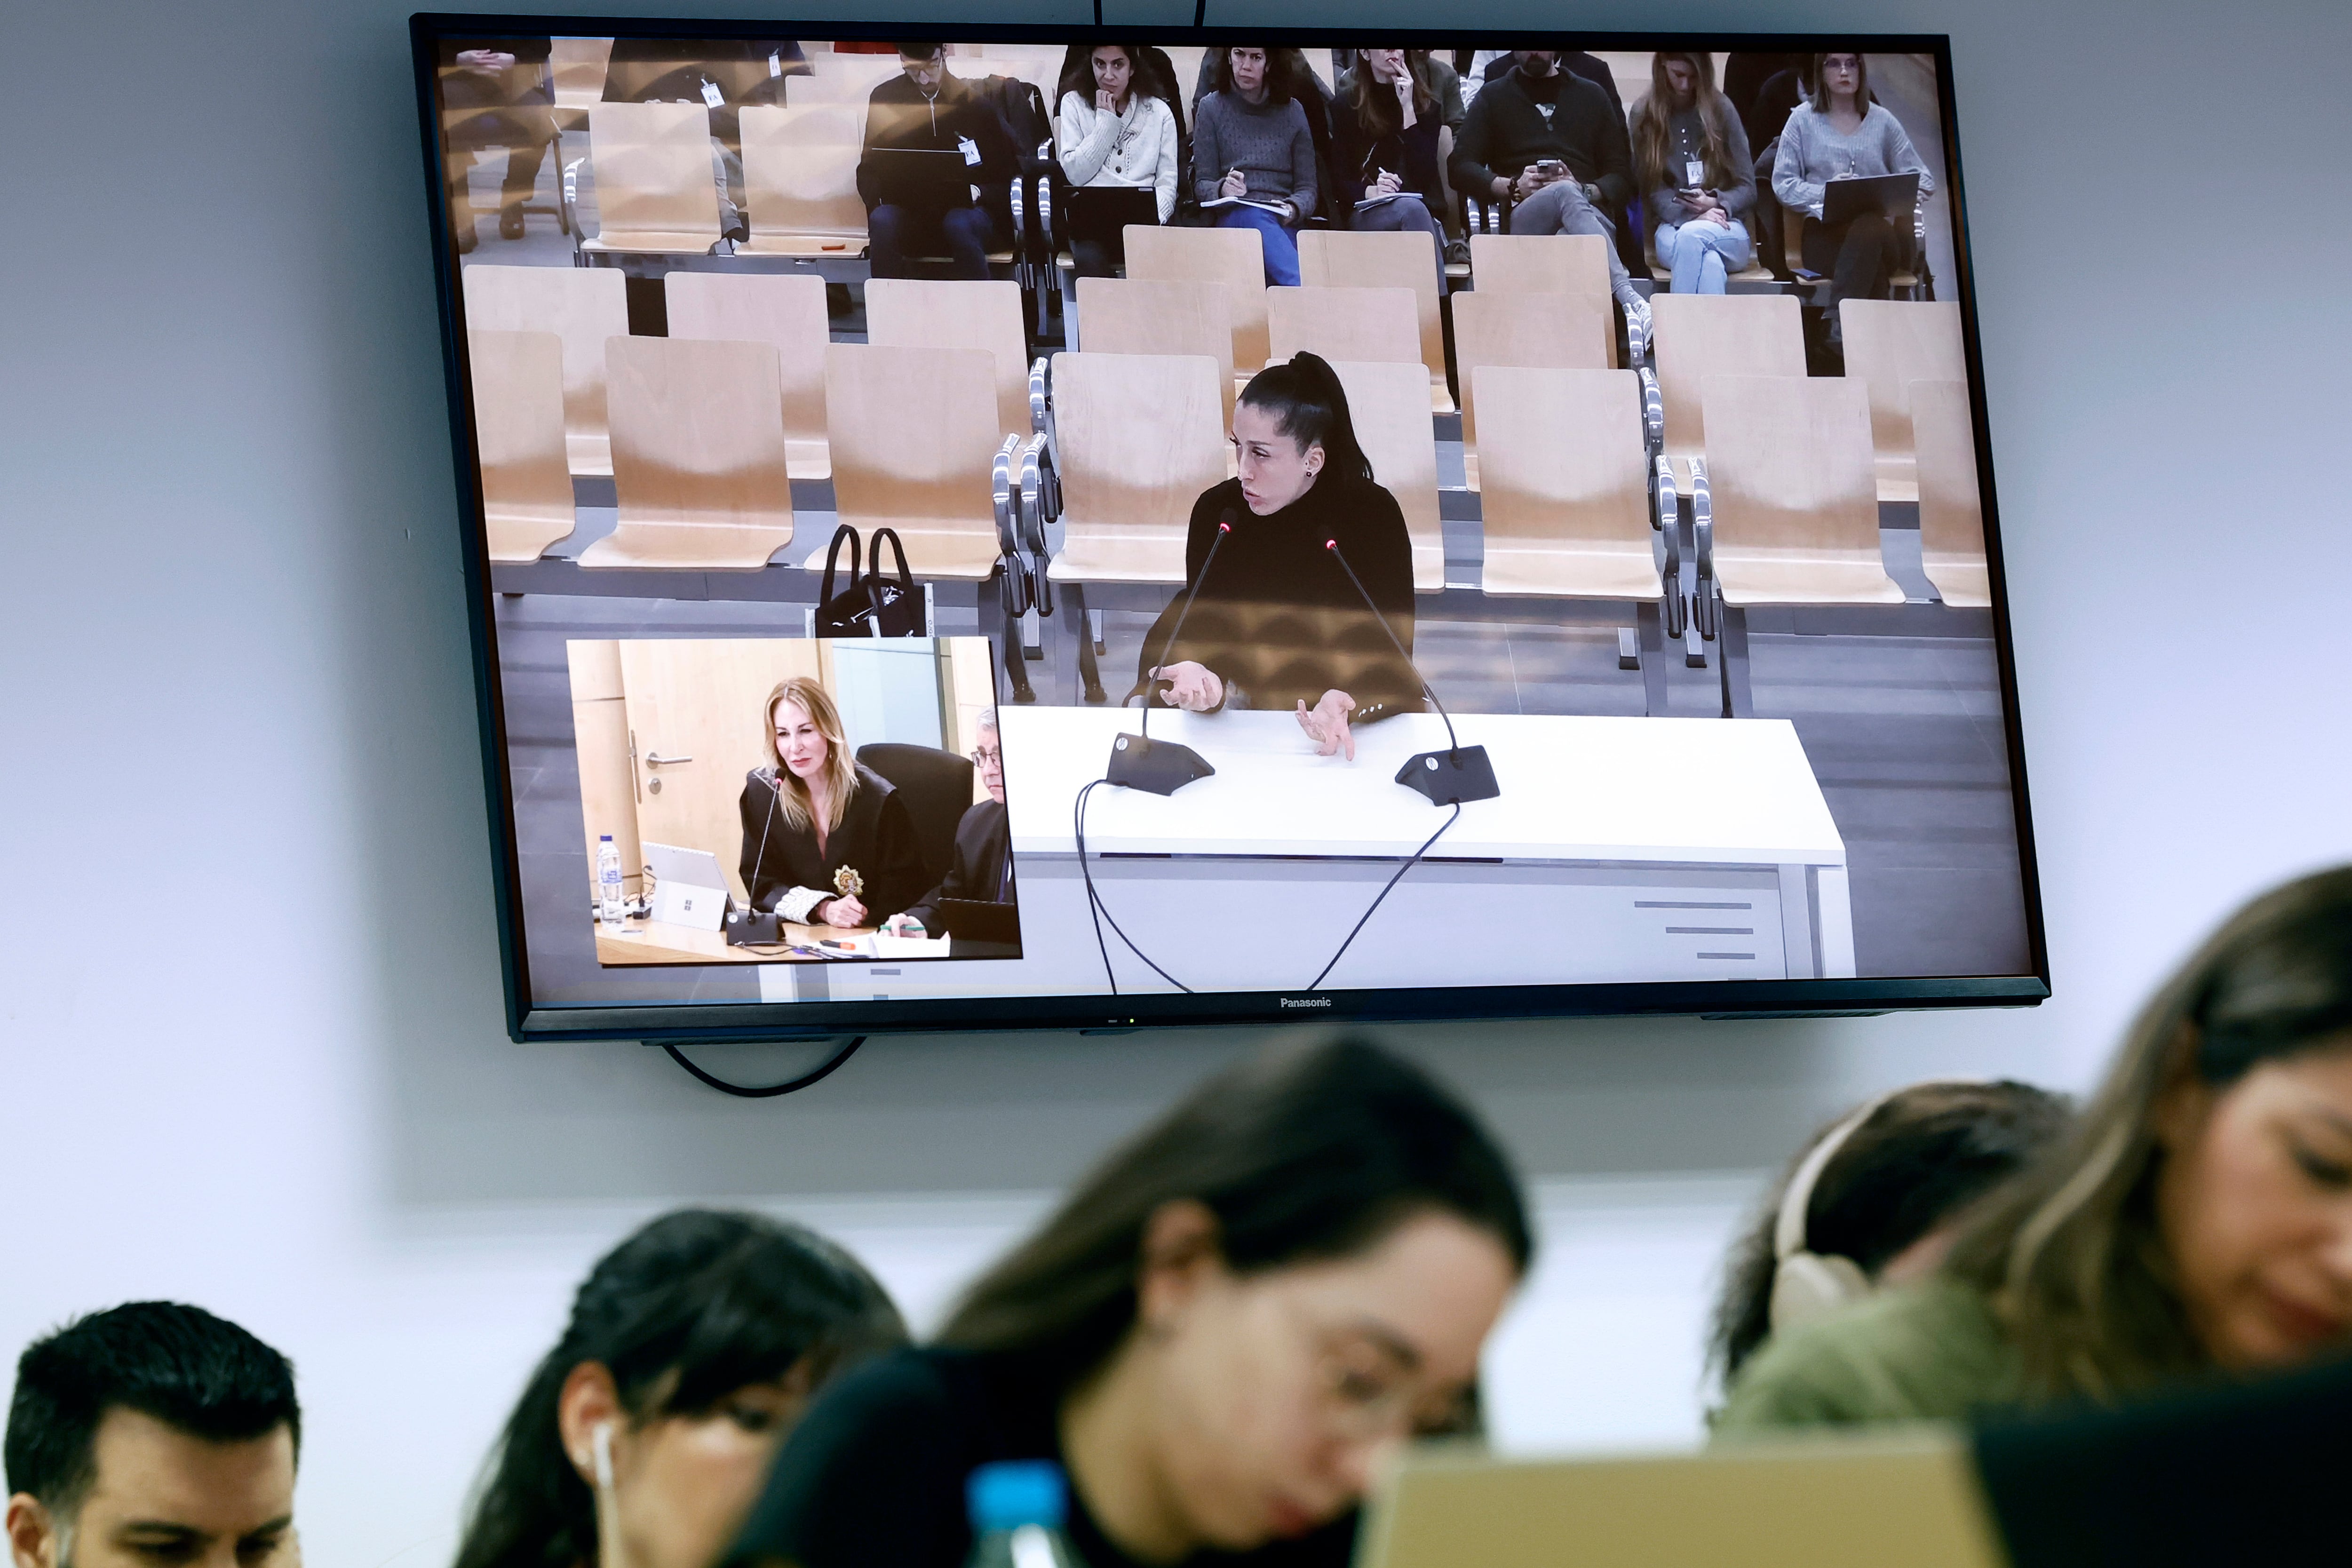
1620,849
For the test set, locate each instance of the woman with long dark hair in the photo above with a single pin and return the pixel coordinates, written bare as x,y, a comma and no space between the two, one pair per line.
1840,133
1219,1335
2196,1222
1254,154
1692,166
1114,129
1384,147
644,1435
1276,623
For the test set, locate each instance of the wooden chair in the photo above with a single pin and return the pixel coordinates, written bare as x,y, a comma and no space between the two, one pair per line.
1373,326
1342,259
656,193
581,305
1388,402
576,69
1951,510
914,442
1889,344
1534,332
699,467
518,379
1568,504
1233,258
1543,263
1139,440
800,176
1792,491
1144,316
911,312
784,311
1701,335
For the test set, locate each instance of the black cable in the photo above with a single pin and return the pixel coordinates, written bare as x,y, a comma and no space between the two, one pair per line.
1102,910
1410,861
1200,11
769,1091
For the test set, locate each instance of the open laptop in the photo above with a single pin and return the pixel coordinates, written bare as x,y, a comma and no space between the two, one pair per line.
920,177
1101,214
1893,196
972,920
1906,1496
689,886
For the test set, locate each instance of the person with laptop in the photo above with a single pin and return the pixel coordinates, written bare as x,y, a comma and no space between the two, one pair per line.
643,1437
1115,132
980,871
1220,1336
2195,1224
1385,129
1840,133
1697,177
931,143
151,1433
1548,142
826,838
1254,161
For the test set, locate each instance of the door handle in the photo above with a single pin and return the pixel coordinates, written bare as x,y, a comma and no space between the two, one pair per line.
655,760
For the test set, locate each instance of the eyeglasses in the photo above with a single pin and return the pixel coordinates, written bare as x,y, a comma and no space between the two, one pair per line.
988,757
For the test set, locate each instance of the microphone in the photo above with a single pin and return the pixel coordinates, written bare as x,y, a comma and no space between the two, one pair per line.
1164,767
1449,777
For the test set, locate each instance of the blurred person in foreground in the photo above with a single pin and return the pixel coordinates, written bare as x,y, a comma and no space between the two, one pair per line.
1221,1335
643,1437
152,1433
2195,1224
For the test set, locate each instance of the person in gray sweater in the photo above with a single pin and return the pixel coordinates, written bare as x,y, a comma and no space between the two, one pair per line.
1692,166
1252,153
1840,133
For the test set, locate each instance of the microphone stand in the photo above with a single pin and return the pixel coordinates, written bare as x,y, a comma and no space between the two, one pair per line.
1449,777
1163,767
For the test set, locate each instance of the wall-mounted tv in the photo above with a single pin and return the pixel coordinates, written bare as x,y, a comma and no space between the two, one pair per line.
1009,527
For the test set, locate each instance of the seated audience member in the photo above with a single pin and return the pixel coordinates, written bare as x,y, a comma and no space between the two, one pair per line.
495,93
721,75
1876,1199
1547,141
1384,140
1251,143
924,109
1839,135
1276,623
823,833
1218,1336
980,870
1696,178
1114,130
1444,83
152,1433
643,1437
2196,1221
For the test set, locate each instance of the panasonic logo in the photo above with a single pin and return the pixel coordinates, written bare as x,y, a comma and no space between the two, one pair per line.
1307,1001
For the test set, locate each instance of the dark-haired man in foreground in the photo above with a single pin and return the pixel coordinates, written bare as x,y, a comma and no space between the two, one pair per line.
152,1433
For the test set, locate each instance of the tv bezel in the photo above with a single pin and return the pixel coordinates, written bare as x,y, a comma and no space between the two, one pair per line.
686,1023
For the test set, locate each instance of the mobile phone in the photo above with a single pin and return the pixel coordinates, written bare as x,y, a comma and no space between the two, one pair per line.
1551,166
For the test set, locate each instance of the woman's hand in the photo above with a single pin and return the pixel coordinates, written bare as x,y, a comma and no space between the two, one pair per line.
1326,724
844,911
1106,101
904,925
1388,184
1404,101
1191,687
1235,185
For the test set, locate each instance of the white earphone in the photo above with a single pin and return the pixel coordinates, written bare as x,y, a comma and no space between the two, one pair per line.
1807,1284
600,1440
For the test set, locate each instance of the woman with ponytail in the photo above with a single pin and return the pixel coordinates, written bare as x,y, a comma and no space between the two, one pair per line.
643,1437
1276,623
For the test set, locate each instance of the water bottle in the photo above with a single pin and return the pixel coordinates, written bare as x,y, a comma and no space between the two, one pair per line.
610,906
1017,1511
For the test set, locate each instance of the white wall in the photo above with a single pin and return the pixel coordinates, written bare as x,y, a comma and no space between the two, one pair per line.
242,773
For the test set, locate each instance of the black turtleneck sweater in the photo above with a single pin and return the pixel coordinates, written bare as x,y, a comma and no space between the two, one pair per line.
1277,619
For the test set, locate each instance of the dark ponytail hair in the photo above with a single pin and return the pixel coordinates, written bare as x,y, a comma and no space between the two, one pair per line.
692,1307
1310,1151
1310,405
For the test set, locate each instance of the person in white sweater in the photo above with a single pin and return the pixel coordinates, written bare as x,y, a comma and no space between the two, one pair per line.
1113,128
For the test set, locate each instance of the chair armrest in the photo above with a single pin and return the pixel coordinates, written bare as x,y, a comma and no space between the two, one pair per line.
1637,335
1664,510
1045,216
1037,394
1019,203
570,197
1665,516
1654,411
1703,539
1035,501
1006,500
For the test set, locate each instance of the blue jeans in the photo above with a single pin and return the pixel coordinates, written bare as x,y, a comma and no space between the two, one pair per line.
895,235
1703,254
1281,244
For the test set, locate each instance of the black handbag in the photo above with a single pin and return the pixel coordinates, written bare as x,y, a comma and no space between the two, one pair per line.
869,605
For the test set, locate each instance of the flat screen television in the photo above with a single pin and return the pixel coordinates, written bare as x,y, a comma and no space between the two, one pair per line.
1028,527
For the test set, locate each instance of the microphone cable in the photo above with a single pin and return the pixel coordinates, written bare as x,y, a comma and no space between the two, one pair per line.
1100,911
1410,861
